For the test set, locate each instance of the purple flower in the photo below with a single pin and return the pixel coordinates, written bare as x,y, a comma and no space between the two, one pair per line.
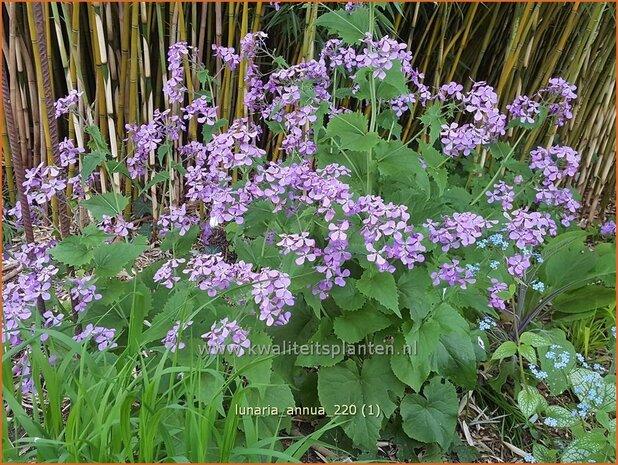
165,275
83,292
228,55
453,275
460,229
103,337
174,88
171,340
69,154
608,228
271,293
116,226
524,109
177,218
459,140
204,112
495,301
503,194
42,183
301,245
529,229
564,93
555,163
64,104
227,337
518,264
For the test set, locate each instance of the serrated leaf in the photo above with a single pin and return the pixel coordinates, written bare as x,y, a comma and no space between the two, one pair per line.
110,204
351,27
431,417
91,162
352,327
351,130
158,178
72,251
110,259
381,287
180,244
347,297
374,386
330,359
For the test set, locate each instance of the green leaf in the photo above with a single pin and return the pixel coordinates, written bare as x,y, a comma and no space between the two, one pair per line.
398,162
110,259
506,349
564,417
91,162
586,448
584,299
279,396
534,340
351,27
343,385
158,178
432,120
527,352
351,130
322,359
180,244
381,287
109,204
114,166
72,251
415,294
529,400
352,327
346,297
431,417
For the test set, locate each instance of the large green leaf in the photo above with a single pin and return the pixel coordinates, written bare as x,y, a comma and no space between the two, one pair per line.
381,287
351,27
351,130
347,297
431,417
110,204
110,259
354,326
344,385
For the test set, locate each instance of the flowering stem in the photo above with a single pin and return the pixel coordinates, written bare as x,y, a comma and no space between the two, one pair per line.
495,177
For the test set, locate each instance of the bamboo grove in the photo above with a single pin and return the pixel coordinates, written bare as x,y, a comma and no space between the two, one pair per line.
116,54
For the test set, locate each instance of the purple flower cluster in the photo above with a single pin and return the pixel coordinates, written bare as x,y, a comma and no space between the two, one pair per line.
301,245
19,298
495,301
201,109
387,233
564,93
228,55
608,228
529,229
556,164
177,218
103,337
460,229
227,337
518,264
116,226
172,340
165,275
174,87
69,154
453,275
270,291
64,104
502,193
42,183
524,109
83,293
481,102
